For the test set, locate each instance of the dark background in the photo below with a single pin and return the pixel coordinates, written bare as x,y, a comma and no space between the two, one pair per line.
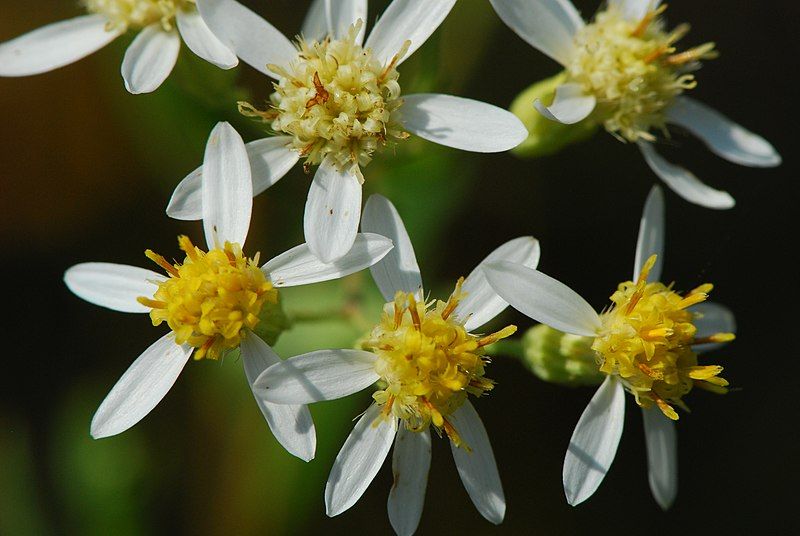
86,170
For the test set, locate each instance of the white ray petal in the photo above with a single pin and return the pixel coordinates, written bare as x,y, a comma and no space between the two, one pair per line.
399,269
358,462
149,59
317,376
410,464
227,188
547,25
141,388
542,298
290,423
570,105
711,318
635,10
334,17
115,286
684,183
594,442
651,235
406,20
201,41
55,45
476,464
662,456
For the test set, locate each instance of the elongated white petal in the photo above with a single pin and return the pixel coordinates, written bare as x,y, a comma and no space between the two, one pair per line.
570,105
334,17
141,388
651,235
359,460
594,442
725,138
150,58
547,25
299,266
399,269
684,183
316,25
317,376
542,298
291,424
461,123
481,302
662,456
634,10
270,159
54,45
410,464
333,209
476,466
227,188
115,286
406,20
201,41
253,39
711,318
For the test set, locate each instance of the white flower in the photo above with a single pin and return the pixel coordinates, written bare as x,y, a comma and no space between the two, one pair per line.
623,71
337,103
212,301
148,60
426,362
643,343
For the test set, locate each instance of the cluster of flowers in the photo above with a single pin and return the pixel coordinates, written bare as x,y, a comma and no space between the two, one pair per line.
337,103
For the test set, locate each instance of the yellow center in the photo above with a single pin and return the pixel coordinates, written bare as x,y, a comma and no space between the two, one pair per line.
136,14
646,340
633,70
211,299
336,100
427,361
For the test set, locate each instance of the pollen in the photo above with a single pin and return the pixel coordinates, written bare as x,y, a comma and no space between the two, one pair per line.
211,299
428,362
647,340
335,100
634,70
136,14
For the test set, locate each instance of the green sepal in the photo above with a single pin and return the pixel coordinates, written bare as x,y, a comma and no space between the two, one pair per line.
558,357
273,322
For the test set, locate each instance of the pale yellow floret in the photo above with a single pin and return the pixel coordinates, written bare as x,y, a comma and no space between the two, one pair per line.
335,100
212,299
428,363
633,70
136,14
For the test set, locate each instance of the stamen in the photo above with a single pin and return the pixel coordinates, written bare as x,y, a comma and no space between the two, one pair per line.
162,262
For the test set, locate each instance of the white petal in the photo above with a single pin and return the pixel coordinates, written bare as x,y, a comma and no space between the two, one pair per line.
359,460
253,39
594,442
141,388
399,269
547,25
476,466
711,318
662,456
482,303
317,376
54,45
227,188
570,105
651,235
410,464
724,137
150,58
201,41
290,423
270,159
542,298
635,10
684,183
299,266
406,20
115,286
461,123
332,212
334,17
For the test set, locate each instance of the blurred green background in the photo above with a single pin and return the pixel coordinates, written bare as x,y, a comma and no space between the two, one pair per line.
86,170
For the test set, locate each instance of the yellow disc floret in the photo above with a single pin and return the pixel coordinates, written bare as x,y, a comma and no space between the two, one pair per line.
136,14
211,299
646,340
633,70
428,362
335,100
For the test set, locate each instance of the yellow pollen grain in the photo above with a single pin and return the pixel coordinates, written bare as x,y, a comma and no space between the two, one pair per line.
136,14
